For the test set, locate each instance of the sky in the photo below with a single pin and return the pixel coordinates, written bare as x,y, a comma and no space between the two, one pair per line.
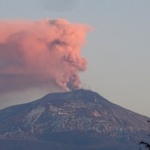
117,48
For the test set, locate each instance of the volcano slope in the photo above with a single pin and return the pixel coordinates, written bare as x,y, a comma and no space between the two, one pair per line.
81,119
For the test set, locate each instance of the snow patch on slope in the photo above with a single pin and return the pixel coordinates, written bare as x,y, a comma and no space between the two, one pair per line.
35,114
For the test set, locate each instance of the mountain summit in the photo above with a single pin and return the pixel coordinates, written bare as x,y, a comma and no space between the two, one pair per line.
81,119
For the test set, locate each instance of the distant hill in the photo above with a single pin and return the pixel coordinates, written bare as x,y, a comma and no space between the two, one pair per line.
77,120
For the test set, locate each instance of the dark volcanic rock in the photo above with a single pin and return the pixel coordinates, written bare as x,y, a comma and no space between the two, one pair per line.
80,119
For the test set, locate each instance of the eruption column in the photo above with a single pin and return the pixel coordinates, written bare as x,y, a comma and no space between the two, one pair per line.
41,53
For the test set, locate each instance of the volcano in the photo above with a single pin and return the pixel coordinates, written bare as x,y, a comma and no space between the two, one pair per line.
76,120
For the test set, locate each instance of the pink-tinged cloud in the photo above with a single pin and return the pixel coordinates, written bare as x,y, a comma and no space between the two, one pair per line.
41,53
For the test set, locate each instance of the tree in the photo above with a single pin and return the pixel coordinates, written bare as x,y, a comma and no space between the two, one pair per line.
145,144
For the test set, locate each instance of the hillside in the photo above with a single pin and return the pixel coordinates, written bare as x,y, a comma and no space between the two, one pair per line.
81,119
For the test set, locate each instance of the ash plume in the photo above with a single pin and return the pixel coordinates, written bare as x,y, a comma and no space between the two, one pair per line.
41,53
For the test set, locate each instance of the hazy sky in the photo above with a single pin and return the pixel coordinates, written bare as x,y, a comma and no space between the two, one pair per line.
117,50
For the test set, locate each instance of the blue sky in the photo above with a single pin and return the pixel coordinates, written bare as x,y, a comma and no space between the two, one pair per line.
117,50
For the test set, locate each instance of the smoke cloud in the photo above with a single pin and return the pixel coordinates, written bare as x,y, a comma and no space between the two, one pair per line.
41,53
